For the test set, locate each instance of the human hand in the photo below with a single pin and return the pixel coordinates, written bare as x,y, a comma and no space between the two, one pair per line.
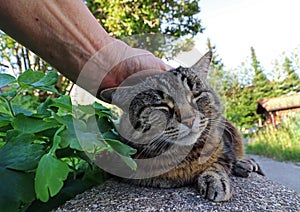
133,62
114,63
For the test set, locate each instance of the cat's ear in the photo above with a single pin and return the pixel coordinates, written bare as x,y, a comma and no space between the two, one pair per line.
106,95
202,67
116,96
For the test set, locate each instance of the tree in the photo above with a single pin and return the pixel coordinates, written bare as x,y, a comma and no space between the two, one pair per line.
121,18
220,81
261,88
260,80
164,27
217,75
18,58
242,97
292,82
286,78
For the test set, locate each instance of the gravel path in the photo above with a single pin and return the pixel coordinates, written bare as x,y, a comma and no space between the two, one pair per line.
285,173
251,194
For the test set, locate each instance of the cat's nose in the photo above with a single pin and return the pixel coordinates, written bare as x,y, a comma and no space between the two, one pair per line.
188,121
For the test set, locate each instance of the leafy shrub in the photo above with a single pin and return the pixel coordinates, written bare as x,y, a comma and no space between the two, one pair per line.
282,143
42,162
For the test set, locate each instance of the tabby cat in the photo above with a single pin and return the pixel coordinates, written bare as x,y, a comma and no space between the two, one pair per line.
175,120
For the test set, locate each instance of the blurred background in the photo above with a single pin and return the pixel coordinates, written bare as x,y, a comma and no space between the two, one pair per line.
255,70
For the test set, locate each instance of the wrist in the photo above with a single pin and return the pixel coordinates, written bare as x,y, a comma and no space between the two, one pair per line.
100,65
114,63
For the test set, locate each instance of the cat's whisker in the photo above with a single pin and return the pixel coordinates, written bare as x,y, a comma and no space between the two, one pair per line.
193,141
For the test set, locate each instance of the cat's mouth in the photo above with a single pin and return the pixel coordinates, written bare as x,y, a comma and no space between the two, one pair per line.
185,140
185,135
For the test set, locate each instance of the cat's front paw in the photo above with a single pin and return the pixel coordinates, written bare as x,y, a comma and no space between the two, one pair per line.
214,186
244,167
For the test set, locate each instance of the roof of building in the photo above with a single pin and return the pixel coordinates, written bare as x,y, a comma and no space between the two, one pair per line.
279,103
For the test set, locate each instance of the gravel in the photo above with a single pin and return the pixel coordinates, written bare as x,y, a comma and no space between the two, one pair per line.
256,193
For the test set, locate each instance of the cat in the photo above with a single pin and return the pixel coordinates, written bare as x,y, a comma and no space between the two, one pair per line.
175,120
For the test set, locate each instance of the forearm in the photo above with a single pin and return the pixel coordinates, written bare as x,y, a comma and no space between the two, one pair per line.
65,34
62,32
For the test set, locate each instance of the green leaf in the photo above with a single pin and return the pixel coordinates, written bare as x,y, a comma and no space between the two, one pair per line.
69,138
71,189
68,135
43,109
102,124
4,120
110,135
20,153
49,79
50,176
88,109
11,93
90,142
105,124
18,109
62,102
29,77
38,80
16,189
63,105
56,140
6,79
129,161
120,148
124,151
92,124
27,124
101,110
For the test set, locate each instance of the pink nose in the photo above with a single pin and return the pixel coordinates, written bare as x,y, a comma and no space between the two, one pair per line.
188,121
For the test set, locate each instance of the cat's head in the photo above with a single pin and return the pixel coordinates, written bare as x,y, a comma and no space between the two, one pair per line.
174,107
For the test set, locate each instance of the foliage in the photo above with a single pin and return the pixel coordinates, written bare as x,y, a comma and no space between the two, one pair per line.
19,58
260,79
16,58
292,82
42,155
123,18
250,83
281,144
163,27
217,76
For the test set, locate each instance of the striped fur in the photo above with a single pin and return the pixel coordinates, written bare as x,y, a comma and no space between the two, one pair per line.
185,116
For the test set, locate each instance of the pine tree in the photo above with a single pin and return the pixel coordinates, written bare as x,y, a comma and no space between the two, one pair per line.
260,80
242,105
262,87
292,81
217,75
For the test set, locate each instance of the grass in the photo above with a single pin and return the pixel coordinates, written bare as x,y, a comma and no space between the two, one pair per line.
282,143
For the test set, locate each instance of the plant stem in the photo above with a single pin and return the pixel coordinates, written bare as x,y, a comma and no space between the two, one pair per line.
18,92
9,105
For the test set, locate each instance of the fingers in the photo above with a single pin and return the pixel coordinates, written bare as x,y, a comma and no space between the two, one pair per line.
133,68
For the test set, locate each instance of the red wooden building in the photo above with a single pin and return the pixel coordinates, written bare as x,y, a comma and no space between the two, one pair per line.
277,108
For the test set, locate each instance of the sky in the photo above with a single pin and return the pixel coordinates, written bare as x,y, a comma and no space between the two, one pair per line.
270,26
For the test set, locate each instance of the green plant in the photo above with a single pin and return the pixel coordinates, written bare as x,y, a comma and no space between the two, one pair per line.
42,159
281,144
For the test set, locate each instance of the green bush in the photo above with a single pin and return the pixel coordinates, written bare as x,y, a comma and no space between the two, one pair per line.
282,143
42,162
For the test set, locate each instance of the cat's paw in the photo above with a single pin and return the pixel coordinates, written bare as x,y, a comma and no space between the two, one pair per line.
214,186
244,167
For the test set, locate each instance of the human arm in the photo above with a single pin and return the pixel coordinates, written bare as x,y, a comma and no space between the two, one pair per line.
65,34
